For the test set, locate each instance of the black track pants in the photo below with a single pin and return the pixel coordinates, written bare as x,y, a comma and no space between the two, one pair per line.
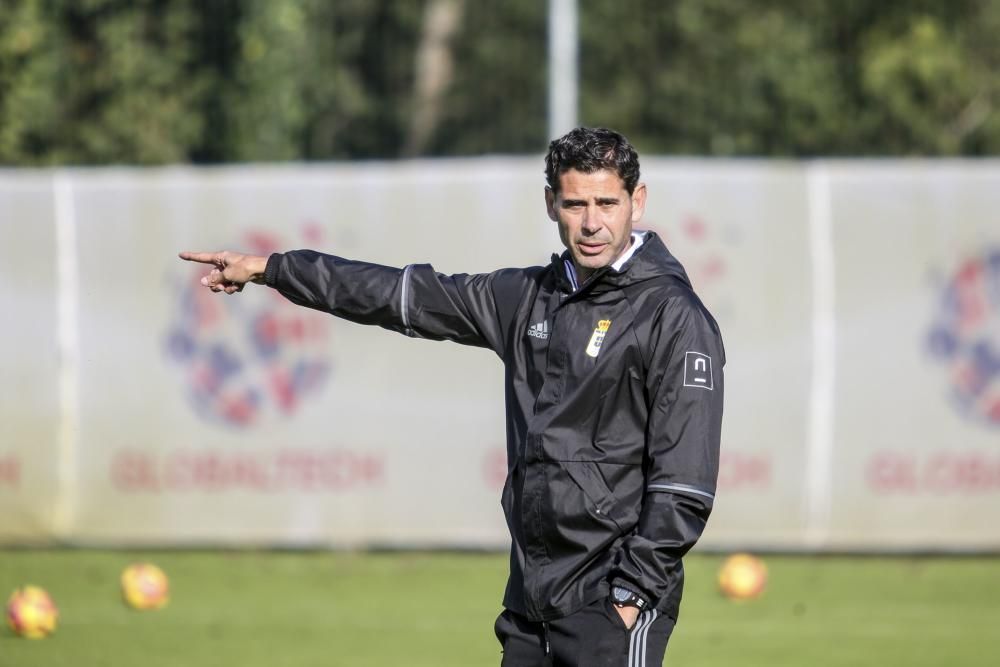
595,636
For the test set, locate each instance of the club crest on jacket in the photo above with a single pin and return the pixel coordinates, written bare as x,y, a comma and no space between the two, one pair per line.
597,338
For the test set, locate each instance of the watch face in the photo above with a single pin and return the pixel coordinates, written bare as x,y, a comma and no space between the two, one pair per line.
621,594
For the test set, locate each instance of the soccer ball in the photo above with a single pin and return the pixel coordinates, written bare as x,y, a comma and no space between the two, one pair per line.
742,577
31,612
145,586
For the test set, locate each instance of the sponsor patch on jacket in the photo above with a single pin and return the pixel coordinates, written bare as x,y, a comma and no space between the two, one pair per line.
540,330
698,370
597,338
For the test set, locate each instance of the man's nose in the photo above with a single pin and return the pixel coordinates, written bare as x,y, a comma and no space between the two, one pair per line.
591,219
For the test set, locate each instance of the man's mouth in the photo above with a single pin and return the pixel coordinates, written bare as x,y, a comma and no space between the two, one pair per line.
591,248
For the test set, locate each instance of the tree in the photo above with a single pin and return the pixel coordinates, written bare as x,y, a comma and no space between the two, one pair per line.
160,81
29,67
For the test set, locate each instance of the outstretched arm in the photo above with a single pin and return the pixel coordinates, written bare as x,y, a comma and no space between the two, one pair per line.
232,270
415,300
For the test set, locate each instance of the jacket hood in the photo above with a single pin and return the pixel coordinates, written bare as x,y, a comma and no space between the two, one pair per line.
651,260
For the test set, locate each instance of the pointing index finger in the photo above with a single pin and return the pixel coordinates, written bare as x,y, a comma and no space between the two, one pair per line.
202,257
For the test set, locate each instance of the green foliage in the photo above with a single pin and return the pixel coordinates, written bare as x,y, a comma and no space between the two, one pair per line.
320,80
711,77
765,77
267,110
932,95
29,67
162,81
100,81
497,103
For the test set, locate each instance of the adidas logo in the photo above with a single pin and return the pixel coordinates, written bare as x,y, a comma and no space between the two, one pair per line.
540,330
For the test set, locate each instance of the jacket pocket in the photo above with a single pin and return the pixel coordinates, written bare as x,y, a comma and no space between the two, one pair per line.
588,478
612,613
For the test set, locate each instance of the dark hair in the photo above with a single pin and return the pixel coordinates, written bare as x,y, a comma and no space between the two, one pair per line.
590,149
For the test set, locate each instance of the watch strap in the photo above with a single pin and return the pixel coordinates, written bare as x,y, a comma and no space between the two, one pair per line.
626,597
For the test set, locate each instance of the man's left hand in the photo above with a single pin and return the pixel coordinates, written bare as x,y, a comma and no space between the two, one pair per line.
628,614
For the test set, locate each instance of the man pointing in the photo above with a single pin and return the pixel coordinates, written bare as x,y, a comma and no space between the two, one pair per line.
614,390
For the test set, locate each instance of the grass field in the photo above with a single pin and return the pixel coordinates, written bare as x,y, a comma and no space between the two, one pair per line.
288,609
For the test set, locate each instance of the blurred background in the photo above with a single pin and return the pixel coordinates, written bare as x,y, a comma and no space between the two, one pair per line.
825,171
153,82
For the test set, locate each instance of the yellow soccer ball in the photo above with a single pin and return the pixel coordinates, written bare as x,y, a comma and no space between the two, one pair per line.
742,577
31,612
145,586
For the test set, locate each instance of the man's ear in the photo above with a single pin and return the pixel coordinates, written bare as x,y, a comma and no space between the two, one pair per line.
638,202
550,204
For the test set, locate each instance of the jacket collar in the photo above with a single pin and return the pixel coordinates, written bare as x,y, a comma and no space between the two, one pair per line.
649,260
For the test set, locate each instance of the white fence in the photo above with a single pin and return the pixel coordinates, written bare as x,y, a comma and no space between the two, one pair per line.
859,301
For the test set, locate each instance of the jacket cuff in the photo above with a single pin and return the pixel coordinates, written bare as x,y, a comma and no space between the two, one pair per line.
271,270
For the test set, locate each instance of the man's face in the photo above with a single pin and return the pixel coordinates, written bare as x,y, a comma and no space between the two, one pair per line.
595,214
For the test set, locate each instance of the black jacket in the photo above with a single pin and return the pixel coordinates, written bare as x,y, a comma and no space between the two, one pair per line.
614,407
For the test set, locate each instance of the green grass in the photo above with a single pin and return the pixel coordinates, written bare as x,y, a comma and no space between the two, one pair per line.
290,609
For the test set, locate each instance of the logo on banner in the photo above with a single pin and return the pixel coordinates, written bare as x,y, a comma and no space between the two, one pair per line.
965,336
243,359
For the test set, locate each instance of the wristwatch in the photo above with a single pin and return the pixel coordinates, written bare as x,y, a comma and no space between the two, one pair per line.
623,597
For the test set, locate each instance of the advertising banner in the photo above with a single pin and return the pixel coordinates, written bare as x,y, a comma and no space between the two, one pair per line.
859,303
31,393
916,442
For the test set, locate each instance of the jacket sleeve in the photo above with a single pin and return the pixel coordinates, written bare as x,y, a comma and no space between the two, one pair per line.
415,300
685,389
